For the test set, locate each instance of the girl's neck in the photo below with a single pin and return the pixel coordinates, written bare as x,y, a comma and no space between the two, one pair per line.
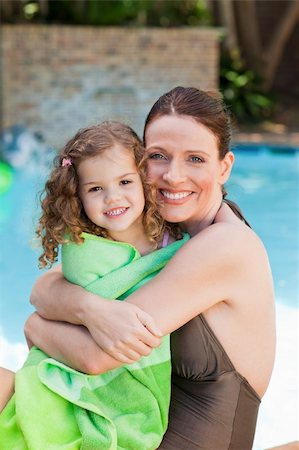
137,238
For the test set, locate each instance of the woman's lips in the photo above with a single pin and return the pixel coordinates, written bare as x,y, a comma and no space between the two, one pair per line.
175,197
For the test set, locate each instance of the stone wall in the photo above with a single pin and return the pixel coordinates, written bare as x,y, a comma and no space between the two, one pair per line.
56,79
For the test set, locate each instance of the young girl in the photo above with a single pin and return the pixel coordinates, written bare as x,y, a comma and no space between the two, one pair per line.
99,206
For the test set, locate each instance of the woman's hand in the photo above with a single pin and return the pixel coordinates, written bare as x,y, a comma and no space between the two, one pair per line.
121,329
70,344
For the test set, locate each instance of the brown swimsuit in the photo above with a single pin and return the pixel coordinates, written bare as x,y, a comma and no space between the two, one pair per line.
212,405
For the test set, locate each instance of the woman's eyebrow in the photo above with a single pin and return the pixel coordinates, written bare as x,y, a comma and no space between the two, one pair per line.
155,147
198,151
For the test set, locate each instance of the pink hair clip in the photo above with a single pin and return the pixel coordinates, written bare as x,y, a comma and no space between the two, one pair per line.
66,162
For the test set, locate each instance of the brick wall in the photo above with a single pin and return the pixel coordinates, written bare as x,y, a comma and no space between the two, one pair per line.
56,79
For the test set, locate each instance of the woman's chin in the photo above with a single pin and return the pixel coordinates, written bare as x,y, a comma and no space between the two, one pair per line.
173,216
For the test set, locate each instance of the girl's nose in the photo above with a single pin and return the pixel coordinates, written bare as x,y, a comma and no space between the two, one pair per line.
174,174
112,196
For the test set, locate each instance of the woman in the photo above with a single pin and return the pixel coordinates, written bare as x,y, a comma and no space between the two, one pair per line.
223,358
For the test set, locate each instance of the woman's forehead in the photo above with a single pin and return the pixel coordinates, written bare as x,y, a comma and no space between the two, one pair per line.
182,131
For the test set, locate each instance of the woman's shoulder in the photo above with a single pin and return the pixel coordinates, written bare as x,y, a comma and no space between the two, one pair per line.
229,236
234,227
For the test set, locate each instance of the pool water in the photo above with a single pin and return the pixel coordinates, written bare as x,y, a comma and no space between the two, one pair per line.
264,183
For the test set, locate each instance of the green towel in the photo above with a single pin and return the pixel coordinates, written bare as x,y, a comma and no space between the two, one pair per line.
56,407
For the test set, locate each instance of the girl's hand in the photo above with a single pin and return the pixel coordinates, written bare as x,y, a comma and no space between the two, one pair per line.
121,329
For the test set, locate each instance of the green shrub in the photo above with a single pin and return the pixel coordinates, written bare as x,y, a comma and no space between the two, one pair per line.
242,91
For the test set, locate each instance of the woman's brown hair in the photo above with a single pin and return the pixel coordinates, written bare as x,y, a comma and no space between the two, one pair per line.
62,211
207,108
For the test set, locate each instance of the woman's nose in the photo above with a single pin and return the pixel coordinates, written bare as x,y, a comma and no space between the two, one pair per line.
175,174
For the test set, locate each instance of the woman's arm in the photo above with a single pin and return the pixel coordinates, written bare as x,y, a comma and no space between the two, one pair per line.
70,344
209,269
222,264
58,300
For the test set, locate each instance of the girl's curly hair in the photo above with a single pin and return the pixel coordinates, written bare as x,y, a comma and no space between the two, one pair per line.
63,217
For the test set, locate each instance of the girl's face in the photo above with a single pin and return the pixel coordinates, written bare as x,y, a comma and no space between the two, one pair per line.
111,192
183,162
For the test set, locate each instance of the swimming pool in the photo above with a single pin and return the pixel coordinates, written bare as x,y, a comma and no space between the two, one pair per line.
264,183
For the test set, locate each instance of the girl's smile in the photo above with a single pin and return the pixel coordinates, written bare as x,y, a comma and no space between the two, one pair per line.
112,194
116,212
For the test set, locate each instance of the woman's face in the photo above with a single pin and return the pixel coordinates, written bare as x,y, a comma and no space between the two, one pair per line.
183,162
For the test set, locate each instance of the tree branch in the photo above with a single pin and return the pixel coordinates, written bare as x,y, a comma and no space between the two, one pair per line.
273,54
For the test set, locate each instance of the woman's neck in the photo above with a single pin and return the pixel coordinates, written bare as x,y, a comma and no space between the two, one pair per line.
197,224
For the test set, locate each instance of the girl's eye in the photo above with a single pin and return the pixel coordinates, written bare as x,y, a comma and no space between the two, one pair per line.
125,182
95,189
156,156
196,159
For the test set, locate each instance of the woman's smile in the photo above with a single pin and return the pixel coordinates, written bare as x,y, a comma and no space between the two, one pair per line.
175,197
184,164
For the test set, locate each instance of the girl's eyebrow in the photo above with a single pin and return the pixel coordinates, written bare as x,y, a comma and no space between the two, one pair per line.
127,174
90,182
118,178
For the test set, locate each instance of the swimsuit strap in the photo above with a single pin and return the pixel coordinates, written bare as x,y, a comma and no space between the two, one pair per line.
165,239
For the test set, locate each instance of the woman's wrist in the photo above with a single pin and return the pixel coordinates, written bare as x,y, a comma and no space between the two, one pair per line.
89,306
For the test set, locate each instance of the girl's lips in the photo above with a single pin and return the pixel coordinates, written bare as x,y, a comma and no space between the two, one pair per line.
115,212
175,197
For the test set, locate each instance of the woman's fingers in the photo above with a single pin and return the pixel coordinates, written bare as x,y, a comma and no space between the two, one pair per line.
149,323
123,330
145,337
135,349
130,356
128,349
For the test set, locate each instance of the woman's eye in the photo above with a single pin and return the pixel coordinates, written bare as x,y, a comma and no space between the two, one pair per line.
95,189
196,159
156,156
125,182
